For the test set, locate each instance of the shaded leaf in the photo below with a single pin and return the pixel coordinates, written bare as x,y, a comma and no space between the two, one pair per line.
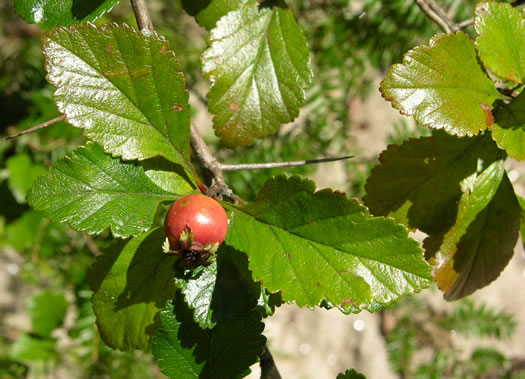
259,66
501,40
22,173
443,86
315,245
130,287
50,13
419,182
509,129
481,243
227,351
222,291
46,311
123,88
208,12
92,191
350,374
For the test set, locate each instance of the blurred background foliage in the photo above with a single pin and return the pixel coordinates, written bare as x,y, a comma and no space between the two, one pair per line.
351,42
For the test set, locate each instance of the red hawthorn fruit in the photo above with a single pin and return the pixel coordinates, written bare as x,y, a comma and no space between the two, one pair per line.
195,224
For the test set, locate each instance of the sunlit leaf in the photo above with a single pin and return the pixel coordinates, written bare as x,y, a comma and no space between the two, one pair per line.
501,39
93,191
443,86
316,245
259,66
124,88
51,13
509,129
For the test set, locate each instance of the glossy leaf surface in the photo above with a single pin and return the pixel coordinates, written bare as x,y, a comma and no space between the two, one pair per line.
316,245
92,191
509,129
259,66
123,88
131,284
185,350
443,86
501,40
222,291
50,13
418,183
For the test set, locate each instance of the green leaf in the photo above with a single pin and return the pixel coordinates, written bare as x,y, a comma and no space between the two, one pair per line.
166,175
92,191
501,40
443,86
419,182
123,88
130,288
521,200
222,291
208,12
28,348
50,13
46,311
509,129
22,233
185,350
315,245
22,173
481,243
351,374
259,66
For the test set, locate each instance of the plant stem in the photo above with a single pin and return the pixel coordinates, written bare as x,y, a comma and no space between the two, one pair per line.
210,163
203,153
437,15
259,166
37,127
142,14
268,368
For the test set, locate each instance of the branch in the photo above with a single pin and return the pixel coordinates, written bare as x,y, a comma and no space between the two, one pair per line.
34,128
210,163
142,14
268,367
259,166
203,153
438,15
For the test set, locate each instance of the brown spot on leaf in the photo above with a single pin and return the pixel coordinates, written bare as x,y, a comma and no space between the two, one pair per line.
234,107
164,48
346,302
318,284
109,49
177,107
288,256
489,118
